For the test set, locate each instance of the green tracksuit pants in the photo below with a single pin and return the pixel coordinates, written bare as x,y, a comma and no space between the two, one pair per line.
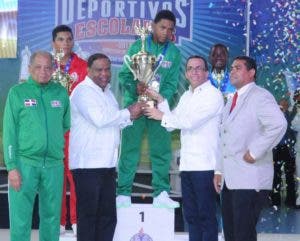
48,183
160,152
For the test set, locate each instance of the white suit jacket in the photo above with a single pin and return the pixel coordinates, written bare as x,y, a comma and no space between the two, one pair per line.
255,124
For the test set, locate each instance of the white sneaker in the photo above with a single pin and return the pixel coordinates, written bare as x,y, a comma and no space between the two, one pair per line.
221,237
123,201
62,229
74,228
163,201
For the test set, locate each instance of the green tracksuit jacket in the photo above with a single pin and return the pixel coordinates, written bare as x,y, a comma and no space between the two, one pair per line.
158,138
35,120
168,72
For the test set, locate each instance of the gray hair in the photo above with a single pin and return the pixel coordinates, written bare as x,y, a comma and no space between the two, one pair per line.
40,53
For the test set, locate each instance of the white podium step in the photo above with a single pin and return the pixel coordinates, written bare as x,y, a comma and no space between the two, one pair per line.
144,222
4,234
68,236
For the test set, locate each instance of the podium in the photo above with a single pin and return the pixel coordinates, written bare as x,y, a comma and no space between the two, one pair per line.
144,222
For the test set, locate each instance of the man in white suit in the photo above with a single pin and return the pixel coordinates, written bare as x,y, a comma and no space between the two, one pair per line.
252,124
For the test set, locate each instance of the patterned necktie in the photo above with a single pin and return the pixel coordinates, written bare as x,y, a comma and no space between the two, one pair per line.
233,101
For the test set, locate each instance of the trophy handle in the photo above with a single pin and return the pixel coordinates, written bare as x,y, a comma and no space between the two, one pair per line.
127,61
160,60
153,79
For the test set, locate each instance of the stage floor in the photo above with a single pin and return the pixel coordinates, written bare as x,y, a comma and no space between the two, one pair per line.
4,235
275,224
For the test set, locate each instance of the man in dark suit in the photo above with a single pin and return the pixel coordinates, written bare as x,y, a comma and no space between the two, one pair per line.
252,125
284,158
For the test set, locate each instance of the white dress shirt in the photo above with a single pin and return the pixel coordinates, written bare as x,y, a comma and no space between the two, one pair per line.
243,90
197,115
95,126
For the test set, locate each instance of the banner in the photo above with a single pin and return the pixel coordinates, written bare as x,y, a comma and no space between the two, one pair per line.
108,26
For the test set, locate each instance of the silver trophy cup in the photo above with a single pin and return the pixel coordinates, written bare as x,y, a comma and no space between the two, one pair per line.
143,66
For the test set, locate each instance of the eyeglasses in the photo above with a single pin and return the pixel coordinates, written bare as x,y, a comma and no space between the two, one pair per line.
196,69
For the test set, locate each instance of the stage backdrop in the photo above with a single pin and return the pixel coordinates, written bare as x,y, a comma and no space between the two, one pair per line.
275,42
107,26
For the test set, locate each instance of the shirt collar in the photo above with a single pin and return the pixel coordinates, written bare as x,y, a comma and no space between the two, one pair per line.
92,83
30,80
200,87
245,88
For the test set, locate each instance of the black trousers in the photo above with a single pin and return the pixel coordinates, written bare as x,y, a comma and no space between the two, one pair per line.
283,157
240,212
96,203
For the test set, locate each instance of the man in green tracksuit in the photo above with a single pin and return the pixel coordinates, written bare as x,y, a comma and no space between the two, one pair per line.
159,139
36,116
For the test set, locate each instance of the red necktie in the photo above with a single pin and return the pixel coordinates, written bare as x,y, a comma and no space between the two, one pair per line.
233,101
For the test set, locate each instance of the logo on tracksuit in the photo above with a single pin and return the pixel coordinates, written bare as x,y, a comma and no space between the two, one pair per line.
55,103
30,102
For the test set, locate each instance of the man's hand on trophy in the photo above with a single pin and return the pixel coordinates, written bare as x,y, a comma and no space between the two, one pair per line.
153,113
136,110
141,88
154,95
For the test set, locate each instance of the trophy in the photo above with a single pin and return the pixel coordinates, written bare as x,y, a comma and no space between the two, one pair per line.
143,65
59,76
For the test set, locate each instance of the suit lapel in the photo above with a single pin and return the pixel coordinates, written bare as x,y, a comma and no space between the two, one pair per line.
228,117
226,110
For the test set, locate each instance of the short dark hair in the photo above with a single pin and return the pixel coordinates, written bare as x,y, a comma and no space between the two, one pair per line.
96,56
218,45
61,28
250,63
197,57
165,14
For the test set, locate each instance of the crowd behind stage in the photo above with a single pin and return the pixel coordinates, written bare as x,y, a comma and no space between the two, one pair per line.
63,126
